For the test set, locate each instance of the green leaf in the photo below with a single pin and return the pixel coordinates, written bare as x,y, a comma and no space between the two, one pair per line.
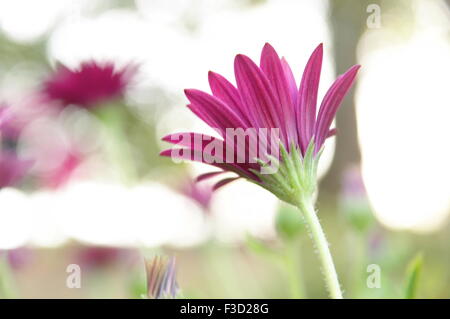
412,276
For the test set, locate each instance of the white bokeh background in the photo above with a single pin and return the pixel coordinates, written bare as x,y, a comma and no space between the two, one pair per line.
401,99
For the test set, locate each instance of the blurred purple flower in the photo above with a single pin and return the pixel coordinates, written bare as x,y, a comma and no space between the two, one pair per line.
10,126
92,83
353,199
63,173
95,257
12,168
353,185
266,97
19,257
377,243
161,278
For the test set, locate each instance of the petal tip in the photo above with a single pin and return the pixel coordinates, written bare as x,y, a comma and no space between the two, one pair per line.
267,45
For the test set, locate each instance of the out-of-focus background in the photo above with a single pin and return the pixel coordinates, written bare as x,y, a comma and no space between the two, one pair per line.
98,195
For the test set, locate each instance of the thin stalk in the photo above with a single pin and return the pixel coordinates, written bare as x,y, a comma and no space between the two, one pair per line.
293,271
7,289
117,146
318,236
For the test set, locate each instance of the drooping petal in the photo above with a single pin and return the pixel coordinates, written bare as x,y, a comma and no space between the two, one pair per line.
241,169
198,142
331,103
209,175
224,182
273,69
256,92
331,132
307,98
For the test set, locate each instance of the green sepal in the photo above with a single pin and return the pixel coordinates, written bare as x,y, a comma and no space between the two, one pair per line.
296,175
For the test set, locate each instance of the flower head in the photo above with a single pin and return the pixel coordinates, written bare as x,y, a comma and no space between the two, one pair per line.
161,278
92,83
266,101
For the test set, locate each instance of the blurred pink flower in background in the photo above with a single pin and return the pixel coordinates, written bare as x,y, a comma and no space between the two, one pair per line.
12,168
90,84
352,184
19,258
353,199
95,257
59,176
10,123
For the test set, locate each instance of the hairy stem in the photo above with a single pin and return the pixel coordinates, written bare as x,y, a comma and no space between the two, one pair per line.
318,236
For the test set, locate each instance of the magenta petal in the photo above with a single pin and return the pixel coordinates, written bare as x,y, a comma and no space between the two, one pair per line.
205,117
227,93
331,103
205,176
293,90
190,140
272,67
307,98
242,169
214,108
256,92
224,182
331,132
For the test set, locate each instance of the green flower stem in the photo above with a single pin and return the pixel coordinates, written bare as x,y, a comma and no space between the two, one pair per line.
318,236
293,270
359,258
7,289
117,146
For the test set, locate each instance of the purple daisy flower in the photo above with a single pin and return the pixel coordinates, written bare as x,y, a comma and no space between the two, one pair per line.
270,133
89,85
266,96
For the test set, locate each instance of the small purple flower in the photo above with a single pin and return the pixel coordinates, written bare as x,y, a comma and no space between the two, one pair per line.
89,85
161,278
